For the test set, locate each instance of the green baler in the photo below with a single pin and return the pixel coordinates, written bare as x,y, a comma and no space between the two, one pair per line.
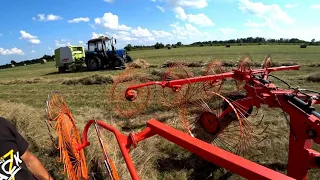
69,58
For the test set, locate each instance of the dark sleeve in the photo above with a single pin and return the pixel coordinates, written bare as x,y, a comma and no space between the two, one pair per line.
22,144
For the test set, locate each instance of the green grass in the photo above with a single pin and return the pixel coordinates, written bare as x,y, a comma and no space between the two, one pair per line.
23,91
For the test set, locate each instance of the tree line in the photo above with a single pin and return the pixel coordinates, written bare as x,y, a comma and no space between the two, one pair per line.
13,63
238,41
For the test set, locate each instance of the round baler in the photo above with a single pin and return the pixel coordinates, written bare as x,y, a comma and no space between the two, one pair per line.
69,58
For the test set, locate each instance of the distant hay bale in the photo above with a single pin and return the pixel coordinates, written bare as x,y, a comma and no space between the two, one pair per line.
228,45
24,64
12,65
169,47
303,46
42,61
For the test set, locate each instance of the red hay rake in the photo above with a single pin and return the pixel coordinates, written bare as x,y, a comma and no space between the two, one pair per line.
220,110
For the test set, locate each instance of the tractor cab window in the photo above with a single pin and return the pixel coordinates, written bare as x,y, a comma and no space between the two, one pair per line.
108,45
99,46
92,47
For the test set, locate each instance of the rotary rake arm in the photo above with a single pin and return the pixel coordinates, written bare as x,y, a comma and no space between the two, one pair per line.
177,84
234,163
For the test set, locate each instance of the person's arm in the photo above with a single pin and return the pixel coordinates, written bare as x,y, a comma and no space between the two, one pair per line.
32,162
35,166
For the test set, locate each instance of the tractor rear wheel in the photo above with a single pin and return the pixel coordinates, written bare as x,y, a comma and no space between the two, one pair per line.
118,62
94,64
62,69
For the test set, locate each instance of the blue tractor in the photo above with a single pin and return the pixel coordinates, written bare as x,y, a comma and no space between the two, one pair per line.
101,54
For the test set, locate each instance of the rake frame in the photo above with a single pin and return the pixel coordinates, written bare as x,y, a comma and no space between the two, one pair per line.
304,126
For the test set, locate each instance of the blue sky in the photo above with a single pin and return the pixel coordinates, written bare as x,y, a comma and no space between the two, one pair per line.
33,28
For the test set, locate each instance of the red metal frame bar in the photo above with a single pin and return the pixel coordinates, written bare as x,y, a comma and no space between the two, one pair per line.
232,162
236,74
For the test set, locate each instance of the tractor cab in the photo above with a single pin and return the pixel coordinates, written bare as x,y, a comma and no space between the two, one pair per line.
101,45
101,53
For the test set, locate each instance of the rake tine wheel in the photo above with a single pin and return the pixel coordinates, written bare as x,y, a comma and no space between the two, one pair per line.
267,62
173,97
244,65
220,121
68,136
213,68
117,100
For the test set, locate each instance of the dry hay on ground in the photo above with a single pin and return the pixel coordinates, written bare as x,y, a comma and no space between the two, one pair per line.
140,63
314,77
22,81
169,63
314,65
90,80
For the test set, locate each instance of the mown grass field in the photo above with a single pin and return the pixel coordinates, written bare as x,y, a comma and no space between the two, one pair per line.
23,91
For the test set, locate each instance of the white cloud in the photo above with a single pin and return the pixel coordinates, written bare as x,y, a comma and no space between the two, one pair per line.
33,51
62,43
123,36
153,0
160,8
291,5
271,14
180,14
161,34
186,31
109,1
95,35
315,6
12,51
34,41
111,21
188,3
30,38
49,17
198,19
80,19
140,32
227,31
137,36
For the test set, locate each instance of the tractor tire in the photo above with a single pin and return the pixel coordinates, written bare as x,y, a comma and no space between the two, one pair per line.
93,64
62,69
118,62
128,59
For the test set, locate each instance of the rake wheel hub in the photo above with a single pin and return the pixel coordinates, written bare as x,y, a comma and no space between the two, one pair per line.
131,95
210,122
